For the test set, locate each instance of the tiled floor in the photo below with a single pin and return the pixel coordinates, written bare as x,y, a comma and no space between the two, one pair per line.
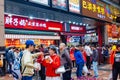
104,72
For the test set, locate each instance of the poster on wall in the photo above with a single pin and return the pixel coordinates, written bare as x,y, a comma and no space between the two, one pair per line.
73,40
74,6
60,4
44,2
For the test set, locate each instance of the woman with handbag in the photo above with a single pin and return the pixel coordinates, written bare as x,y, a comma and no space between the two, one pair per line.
51,63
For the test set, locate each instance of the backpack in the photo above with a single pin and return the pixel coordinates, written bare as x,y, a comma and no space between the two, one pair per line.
16,64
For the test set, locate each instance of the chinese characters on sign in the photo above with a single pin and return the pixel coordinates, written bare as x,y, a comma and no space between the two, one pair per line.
31,24
95,9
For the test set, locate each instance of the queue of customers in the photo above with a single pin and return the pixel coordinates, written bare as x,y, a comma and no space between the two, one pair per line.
22,63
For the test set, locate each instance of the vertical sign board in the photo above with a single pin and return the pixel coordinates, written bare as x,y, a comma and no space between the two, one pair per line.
74,6
2,43
60,4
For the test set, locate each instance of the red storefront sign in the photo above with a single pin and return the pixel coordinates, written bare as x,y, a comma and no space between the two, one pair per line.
75,28
18,22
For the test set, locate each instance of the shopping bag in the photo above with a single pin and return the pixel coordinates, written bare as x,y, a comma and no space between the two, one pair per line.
37,65
60,70
85,69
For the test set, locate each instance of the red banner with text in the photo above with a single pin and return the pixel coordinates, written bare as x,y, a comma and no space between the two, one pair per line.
18,22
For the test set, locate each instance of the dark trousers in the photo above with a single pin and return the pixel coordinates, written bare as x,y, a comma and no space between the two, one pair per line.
27,78
115,71
42,73
67,75
73,63
79,69
88,64
10,68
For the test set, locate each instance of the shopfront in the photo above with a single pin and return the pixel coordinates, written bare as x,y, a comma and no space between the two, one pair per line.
19,28
74,34
113,33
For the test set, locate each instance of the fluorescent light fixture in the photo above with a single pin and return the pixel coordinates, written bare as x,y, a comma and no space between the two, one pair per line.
31,17
47,20
10,15
84,24
76,23
73,22
80,23
70,22
61,21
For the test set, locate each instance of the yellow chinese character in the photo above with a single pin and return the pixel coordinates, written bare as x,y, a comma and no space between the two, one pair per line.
98,9
84,4
102,10
89,6
94,8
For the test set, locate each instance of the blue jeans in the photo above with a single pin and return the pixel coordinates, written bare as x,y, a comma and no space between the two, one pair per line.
27,78
95,68
79,69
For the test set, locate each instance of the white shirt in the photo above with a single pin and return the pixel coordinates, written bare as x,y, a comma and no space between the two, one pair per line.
88,50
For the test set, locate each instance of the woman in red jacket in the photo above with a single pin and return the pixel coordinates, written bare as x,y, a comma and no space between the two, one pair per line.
51,63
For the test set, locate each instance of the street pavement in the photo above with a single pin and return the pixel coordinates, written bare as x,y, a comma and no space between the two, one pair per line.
104,72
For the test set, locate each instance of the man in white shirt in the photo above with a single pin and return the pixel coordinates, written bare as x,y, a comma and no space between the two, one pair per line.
88,53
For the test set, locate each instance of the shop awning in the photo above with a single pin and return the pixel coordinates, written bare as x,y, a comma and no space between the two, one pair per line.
72,34
17,36
27,32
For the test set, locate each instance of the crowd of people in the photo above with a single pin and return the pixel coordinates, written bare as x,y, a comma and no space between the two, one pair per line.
56,63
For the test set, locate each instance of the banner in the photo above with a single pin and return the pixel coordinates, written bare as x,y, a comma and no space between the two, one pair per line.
60,4
18,22
44,2
74,6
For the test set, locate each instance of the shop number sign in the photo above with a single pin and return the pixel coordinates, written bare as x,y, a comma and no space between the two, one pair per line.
31,24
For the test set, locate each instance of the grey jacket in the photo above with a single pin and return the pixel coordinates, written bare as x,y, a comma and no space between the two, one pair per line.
95,55
65,58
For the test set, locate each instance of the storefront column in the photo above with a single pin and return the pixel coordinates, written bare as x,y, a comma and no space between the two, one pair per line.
2,32
105,35
99,35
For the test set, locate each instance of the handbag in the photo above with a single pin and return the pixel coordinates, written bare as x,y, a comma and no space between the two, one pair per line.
85,69
1,63
60,70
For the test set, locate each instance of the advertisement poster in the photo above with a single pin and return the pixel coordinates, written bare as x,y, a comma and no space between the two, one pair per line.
74,6
60,4
44,2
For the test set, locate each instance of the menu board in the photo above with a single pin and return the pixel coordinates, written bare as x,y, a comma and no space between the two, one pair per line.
44,2
60,4
74,6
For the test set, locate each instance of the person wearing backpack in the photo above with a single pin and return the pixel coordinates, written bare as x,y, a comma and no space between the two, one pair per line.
27,61
16,65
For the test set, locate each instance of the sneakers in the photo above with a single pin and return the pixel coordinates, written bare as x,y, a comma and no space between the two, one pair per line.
88,74
95,76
